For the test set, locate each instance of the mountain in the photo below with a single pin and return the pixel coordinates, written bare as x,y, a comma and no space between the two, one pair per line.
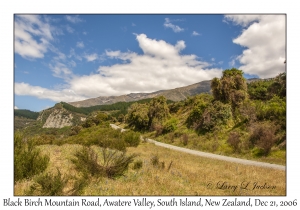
176,94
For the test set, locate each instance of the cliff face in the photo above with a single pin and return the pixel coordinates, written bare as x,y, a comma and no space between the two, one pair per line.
58,119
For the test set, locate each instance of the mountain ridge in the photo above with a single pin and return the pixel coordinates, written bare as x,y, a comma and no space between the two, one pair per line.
176,94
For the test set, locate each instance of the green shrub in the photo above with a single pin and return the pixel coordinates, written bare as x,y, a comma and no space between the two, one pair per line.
113,164
257,152
274,109
49,185
86,162
55,185
158,164
170,125
101,136
138,164
231,88
216,114
199,104
154,160
138,116
131,138
28,160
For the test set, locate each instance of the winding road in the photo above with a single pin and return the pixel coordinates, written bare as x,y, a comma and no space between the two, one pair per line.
210,155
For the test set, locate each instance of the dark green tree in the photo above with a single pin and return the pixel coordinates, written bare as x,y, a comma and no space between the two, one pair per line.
158,111
231,88
138,116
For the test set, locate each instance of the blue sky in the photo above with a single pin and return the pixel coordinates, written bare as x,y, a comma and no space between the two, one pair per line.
76,57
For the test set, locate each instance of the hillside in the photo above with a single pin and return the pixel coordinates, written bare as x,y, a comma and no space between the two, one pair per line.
239,119
176,94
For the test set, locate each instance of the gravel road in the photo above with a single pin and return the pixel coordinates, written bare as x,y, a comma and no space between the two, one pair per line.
210,155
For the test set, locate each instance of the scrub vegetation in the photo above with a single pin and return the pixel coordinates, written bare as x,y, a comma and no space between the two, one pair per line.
239,119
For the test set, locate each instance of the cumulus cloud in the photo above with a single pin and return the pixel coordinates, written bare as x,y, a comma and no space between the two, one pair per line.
73,18
80,44
16,107
44,93
264,39
243,20
175,28
91,57
195,33
160,66
32,36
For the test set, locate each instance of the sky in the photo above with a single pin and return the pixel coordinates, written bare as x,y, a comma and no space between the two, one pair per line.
76,57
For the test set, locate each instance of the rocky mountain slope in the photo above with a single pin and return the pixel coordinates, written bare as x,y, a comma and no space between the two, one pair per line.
58,117
176,94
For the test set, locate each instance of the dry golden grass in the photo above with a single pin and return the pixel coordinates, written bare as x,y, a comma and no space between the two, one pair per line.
188,175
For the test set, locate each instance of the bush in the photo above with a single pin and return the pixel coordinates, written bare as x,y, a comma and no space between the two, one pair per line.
199,104
215,115
100,136
156,163
138,164
131,138
247,112
185,139
28,160
49,185
114,163
154,160
262,135
54,185
170,125
274,109
157,127
171,137
86,162
234,141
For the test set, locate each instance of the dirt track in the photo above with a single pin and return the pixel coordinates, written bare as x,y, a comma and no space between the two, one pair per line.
210,155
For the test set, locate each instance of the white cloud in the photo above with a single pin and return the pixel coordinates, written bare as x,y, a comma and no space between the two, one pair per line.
160,66
80,44
74,18
72,63
44,93
265,42
232,63
132,24
213,59
195,33
60,70
243,20
91,57
26,28
70,29
73,54
16,107
175,28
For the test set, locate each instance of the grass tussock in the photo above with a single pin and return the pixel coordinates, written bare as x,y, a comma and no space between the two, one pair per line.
112,164
28,160
183,174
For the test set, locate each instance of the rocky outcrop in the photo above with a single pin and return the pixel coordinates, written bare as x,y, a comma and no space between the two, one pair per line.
58,118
